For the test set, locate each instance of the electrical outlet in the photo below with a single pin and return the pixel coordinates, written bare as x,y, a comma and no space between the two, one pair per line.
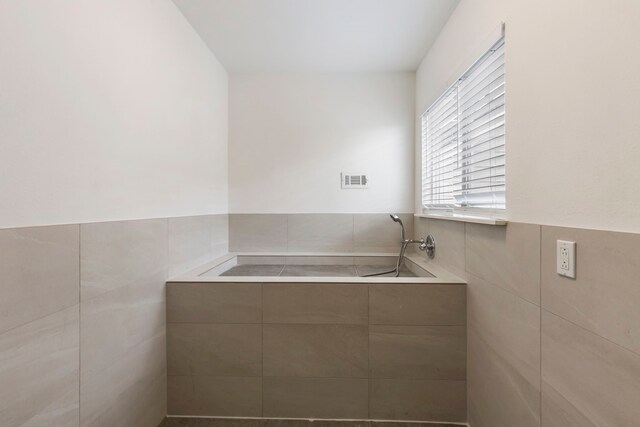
566,258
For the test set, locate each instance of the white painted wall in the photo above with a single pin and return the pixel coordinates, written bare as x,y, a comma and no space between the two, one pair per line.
312,36
573,100
110,109
291,135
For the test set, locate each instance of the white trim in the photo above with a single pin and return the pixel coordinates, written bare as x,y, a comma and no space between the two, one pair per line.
452,216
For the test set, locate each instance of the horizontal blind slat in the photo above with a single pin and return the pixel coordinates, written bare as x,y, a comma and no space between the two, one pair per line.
463,139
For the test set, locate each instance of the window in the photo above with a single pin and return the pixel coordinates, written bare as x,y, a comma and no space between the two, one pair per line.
463,141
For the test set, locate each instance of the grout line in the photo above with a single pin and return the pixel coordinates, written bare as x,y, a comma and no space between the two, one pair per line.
368,352
262,350
353,233
540,324
79,322
466,328
464,251
286,231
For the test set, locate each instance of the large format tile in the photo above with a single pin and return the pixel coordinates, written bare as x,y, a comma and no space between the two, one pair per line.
378,261
319,260
64,412
378,233
315,351
214,302
261,260
420,229
215,396
315,303
257,233
115,254
418,352
450,244
115,322
129,392
340,398
423,400
320,233
605,296
503,358
417,304
39,273
366,270
39,372
220,350
248,270
558,411
318,271
587,380
195,240
508,257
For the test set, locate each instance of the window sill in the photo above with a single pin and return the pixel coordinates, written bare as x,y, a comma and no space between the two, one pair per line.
464,218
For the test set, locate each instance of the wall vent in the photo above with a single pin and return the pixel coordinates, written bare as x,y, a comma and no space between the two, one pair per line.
350,181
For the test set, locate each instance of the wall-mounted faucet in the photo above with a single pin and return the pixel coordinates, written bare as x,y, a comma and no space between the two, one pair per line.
427,244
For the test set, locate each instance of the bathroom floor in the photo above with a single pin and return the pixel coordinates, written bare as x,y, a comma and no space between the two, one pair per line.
225,422
313,270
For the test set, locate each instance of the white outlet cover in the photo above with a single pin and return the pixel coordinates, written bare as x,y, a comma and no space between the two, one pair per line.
566,258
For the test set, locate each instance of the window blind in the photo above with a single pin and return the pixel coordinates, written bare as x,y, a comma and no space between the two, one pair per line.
440,151
463,136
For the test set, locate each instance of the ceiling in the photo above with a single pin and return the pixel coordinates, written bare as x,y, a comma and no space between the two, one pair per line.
318,35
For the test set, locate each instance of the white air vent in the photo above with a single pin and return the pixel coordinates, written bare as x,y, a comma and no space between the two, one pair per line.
353,181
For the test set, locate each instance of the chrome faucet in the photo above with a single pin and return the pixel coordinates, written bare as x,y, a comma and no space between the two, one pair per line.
427,244
422,243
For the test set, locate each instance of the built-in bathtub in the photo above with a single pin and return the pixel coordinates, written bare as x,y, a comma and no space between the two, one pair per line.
283,335
344,268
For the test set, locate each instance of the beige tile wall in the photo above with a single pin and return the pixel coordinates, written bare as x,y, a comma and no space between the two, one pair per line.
82,318
317,350
194,241
39,325
316,232
82,315
545,350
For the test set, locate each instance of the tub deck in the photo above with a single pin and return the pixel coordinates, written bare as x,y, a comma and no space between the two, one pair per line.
317,268
313,270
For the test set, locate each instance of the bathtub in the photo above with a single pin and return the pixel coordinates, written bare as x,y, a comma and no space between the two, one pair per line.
283,335
316,267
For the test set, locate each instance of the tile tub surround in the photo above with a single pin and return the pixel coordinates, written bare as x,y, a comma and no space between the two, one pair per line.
82,318
316,232
317,350
544,350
